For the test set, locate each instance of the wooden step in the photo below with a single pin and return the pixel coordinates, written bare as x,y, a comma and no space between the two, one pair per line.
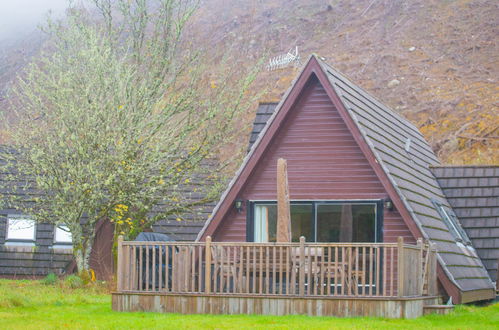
437,309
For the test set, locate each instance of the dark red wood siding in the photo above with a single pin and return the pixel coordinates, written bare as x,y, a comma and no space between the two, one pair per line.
324,163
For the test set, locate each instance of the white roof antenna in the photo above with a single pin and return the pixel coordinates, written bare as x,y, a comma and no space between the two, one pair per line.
282,61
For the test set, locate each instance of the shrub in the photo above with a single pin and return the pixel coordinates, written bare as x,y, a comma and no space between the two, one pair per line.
50,279
73,282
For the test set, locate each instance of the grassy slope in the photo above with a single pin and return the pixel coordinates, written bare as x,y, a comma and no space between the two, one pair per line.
28,304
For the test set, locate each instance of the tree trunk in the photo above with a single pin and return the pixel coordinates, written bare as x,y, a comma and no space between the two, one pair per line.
82,251
82,258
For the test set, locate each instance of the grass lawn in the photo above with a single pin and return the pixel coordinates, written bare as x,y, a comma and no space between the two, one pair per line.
31,305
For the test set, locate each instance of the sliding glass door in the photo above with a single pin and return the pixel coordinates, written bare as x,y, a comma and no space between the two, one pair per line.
346,222
319,221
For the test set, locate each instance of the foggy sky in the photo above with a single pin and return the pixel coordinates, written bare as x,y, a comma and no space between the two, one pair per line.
22,16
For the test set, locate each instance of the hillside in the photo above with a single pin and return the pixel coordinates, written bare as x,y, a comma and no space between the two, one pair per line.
434,61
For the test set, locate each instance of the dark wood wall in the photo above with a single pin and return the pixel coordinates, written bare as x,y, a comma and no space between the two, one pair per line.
38,260
101,257
324,163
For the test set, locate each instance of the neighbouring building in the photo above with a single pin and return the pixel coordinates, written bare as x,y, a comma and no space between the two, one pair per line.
29,249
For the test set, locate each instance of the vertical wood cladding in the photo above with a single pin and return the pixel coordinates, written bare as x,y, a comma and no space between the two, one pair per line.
324,163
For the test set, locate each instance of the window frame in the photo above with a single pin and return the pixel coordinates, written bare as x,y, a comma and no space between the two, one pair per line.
14,217
451,222
379,211
56,242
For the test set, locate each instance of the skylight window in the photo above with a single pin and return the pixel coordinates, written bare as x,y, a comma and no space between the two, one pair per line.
452,223
20,228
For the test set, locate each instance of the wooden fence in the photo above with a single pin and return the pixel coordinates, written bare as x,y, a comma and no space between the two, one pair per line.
296,269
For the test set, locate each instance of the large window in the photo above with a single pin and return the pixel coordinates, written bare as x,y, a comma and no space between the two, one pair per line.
325,221
346,222
20,228
265,221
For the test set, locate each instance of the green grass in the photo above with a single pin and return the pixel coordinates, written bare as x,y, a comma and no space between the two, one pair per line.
33,305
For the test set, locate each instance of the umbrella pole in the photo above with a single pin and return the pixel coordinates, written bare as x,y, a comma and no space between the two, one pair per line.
283,207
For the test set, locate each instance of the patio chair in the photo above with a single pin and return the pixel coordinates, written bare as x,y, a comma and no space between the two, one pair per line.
225,270
311,264
320,267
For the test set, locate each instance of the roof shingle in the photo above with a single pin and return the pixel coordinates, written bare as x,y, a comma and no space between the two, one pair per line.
473,192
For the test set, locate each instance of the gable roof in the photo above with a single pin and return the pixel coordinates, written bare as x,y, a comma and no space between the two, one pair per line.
399,155
473,192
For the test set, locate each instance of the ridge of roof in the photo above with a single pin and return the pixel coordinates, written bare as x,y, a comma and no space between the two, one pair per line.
463,173
267,103
465,166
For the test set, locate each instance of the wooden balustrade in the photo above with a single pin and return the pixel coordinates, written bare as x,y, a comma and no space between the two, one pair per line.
296,269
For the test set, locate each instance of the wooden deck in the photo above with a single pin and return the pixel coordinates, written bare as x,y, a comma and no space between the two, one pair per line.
408,307
355,279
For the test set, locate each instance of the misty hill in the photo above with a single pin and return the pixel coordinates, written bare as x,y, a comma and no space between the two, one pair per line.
434,61
15,52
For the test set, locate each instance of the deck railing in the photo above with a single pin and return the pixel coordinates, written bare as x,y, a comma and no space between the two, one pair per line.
287,269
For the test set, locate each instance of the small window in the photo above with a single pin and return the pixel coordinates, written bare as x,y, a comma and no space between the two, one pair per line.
20,229
63,235
452,222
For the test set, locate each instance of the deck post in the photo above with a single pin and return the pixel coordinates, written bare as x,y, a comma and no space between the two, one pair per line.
432,270
120,269
401,267
301,282
420,271
207,265
497,276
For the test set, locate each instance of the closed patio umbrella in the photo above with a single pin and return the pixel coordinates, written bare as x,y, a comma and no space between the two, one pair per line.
283,208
